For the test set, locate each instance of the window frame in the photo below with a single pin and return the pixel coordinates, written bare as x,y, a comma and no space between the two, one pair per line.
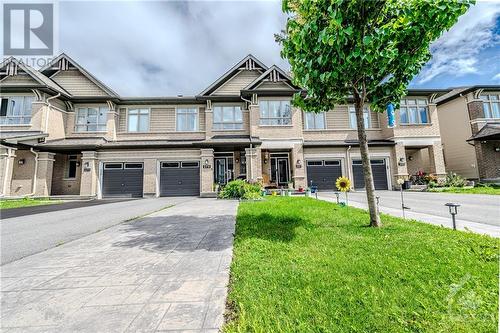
25,114
404,105
315,116
366,112
97,124
185,114
139,115
280,119
236,124
486,99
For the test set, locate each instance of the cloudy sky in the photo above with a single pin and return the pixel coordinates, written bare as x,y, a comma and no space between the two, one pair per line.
159,48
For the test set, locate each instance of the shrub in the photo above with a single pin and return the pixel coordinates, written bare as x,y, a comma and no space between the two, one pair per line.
240,189
454,180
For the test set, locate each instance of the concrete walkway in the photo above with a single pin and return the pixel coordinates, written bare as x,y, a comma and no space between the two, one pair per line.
167,271
478,213
23,235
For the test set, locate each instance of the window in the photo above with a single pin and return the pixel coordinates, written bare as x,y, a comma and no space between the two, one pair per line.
414,111
332,162
491,106
352,117
315,120
15,110
187,119
314,163
113,166
91,119
133,165
190,165
72,166
275,113
170,164
228,118
138,120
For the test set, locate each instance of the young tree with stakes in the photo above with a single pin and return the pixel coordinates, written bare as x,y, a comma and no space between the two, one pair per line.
365,51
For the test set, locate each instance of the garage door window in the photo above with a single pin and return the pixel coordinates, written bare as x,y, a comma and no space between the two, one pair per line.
314,163
133,165
170,165
189,164
332,162
109,166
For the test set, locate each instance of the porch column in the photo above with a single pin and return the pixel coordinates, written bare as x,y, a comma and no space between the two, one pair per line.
254,164
7,156
90,174
207,173
298,166
436,160
150,178
44,174
111,121
401,163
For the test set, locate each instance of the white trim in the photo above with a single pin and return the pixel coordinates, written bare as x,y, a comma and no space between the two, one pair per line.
197,129
126,119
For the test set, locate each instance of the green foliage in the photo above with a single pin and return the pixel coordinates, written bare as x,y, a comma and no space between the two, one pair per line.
305,265
454,180
240,189
338,48
25,202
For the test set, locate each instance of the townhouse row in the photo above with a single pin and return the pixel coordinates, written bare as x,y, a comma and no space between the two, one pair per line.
63,132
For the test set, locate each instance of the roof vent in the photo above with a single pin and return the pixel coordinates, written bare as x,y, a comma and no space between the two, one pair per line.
179,95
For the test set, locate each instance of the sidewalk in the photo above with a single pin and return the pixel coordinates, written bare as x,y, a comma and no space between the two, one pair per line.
479,228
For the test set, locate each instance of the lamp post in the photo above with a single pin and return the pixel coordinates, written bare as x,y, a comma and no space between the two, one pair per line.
453,207
337,195
400,182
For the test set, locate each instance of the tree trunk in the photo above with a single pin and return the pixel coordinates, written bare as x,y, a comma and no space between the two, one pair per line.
365,158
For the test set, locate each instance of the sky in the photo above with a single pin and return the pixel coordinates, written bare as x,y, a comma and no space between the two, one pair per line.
162,48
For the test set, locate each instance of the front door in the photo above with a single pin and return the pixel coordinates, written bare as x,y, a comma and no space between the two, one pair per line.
279,171
223,171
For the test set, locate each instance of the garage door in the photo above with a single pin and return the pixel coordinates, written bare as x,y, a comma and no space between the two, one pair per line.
122,180
323,173
179,178
378,171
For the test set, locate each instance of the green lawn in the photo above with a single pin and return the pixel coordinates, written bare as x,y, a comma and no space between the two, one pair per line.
7,204
304,265
474,190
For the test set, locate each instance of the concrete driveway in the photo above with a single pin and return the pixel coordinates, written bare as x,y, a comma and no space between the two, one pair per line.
167,271
26,231
478,213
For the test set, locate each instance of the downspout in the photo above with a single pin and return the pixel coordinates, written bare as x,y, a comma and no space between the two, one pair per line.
48,112
33,187
349,164
251,146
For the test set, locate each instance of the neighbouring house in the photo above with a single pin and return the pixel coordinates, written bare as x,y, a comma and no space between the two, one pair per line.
63,132
470,131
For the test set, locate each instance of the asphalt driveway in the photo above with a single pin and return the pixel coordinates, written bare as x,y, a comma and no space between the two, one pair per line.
477,212
167,271
23,233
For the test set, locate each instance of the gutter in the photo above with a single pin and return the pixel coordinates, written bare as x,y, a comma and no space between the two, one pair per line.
33,187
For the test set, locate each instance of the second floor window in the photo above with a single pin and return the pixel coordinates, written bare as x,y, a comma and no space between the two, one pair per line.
91,119
352,117
187,119
275,113
228,118
315,120
138,120
15,110
491,106
414,111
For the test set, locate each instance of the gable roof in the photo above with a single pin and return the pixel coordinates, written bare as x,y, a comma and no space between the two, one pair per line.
490,131
455,92
249,62
12,65
64,61
273,74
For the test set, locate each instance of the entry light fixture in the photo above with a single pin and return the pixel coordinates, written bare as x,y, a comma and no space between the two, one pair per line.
206,161
497,149
21,161
237,160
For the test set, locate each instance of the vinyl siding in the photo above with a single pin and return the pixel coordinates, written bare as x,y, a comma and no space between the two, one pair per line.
19,80
267,85
162,119
77,84
237,82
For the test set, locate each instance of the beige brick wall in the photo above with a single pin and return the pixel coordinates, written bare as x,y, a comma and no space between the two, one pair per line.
207,173
7,157
61,185
22,175
44,174
150,177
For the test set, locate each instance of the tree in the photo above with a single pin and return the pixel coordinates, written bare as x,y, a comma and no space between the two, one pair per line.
367,51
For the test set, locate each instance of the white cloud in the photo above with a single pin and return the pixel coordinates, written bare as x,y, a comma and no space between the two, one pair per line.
457,51
167,48
496,77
